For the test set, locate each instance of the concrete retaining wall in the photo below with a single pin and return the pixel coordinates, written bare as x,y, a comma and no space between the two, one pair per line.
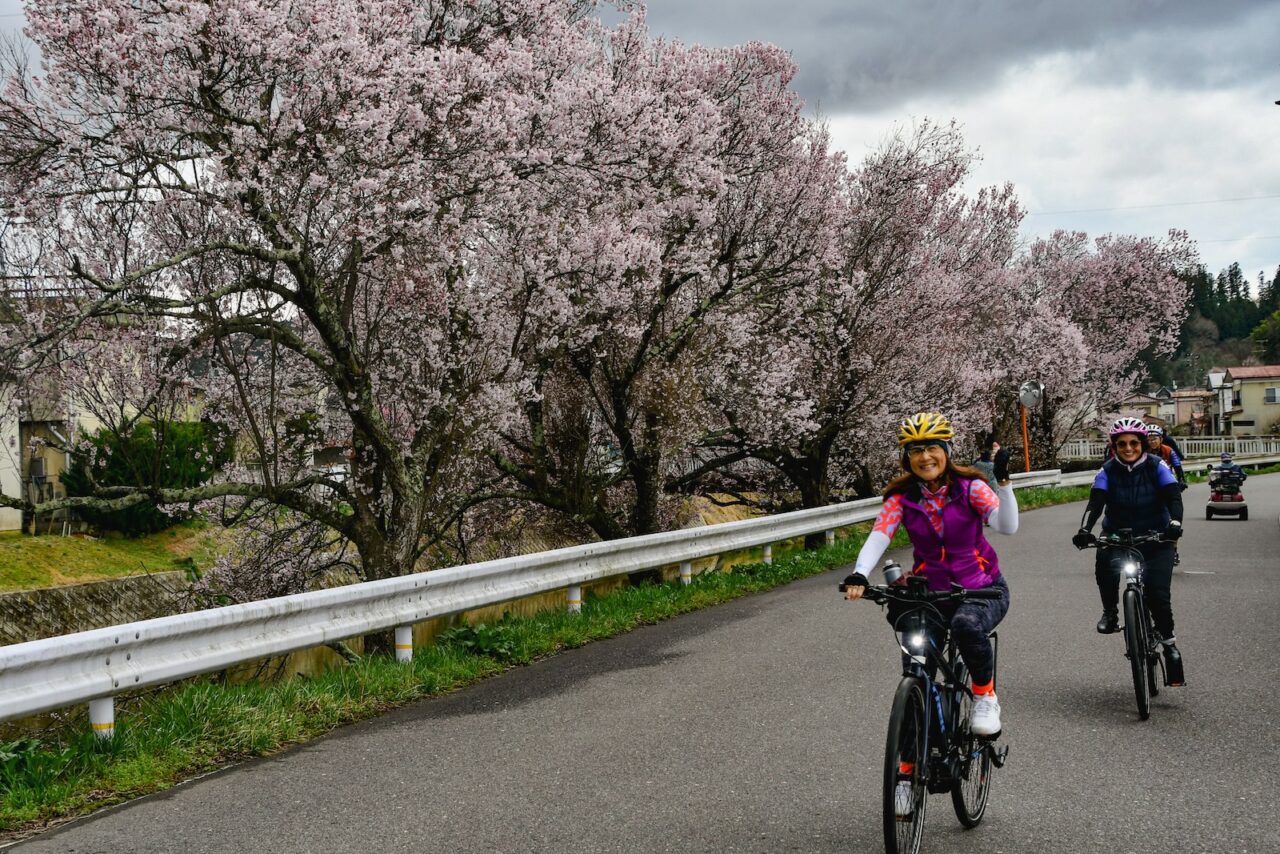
28,615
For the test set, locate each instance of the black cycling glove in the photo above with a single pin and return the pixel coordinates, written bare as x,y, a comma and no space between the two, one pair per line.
1083,539
1173,532
1000,466
854,579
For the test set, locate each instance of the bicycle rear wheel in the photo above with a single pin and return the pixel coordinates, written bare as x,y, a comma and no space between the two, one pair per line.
1135,641
906,760
972,787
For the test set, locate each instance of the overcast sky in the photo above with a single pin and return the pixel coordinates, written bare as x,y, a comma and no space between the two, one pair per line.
1135,107
1125,109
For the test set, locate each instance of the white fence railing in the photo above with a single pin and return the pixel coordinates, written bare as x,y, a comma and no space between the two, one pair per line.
96,665
1192,446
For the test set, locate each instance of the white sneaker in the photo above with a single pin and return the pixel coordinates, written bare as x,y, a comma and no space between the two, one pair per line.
902,806
985,719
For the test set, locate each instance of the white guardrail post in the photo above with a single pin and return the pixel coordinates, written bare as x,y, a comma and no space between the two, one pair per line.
102,716
94,666
404,643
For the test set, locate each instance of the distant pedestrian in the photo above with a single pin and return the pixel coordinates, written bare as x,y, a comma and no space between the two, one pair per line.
992,458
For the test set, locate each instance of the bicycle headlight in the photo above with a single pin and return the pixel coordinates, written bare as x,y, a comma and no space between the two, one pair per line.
915,640
1129,567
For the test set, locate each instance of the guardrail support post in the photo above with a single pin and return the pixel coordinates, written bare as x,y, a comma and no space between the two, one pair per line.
575,599
102,716
768,554
404,643
686,572
831,538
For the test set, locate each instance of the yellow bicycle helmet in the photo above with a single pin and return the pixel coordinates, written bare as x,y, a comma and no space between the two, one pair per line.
925,427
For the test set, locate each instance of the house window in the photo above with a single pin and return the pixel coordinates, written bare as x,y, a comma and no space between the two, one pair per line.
1271,395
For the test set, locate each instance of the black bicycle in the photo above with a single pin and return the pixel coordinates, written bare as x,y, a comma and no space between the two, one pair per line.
1139,632
930,747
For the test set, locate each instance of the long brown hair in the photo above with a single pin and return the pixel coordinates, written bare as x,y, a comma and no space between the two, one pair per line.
908,479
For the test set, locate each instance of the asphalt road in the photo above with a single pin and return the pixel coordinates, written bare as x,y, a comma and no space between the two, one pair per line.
759,726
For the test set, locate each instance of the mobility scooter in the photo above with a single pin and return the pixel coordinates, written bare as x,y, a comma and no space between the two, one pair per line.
1225,495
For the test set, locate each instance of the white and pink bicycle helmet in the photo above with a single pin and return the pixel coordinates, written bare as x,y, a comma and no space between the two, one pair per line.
1127,425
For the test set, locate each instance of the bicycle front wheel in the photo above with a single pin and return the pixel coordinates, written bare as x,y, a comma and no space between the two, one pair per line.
1136,641
906,769
972,787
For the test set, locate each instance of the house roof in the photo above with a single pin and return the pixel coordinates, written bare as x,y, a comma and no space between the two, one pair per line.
1140,399
1254,372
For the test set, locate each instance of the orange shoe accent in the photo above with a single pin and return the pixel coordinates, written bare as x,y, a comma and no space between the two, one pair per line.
981,690
905,768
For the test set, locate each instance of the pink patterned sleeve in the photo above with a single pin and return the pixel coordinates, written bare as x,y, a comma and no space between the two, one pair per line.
983,499
890,516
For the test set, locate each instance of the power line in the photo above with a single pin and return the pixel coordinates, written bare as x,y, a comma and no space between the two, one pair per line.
1162,205
1238,239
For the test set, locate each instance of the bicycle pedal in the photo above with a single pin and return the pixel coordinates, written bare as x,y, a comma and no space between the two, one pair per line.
998,757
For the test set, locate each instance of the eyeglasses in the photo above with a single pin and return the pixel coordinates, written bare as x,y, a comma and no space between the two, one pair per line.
917,451
1136,443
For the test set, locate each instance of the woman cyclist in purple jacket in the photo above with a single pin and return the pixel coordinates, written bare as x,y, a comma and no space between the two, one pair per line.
945,508
1135,490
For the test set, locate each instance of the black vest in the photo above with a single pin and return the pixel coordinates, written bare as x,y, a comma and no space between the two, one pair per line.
1133,497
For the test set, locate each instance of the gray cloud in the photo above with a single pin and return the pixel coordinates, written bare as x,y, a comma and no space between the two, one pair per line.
867,54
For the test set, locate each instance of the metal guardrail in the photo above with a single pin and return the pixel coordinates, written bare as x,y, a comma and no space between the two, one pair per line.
94,666
1192,446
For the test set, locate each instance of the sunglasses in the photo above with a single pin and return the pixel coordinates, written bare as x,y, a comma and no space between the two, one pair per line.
1136,443
917,451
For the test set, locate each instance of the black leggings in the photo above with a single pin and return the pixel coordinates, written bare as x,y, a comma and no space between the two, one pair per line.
1156,581
971,622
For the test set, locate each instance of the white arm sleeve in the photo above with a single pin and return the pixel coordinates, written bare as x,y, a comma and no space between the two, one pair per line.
872,550
1005,519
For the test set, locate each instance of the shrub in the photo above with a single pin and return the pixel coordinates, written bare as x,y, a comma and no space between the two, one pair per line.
163,455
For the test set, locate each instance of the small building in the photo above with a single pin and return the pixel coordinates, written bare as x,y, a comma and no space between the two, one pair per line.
1221,403
1191,407
1255,400
1145,406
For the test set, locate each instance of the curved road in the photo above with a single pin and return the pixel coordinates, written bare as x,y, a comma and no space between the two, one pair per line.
759,725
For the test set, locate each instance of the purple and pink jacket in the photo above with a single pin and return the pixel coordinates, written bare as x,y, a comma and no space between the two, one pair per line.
946,531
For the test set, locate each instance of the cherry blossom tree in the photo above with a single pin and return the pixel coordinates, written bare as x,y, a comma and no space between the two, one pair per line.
1107,299
906,319
702,190
280,205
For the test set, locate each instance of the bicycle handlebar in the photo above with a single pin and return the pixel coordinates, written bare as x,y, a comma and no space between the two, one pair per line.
880,593
1126,538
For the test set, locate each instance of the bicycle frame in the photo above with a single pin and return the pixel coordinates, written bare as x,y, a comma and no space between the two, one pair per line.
929,749
936,671
1125,556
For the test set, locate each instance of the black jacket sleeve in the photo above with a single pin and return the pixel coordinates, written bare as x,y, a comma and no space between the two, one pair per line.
1097,503
1171,495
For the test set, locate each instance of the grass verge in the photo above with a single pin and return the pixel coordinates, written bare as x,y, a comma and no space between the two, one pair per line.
179,732
28,563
